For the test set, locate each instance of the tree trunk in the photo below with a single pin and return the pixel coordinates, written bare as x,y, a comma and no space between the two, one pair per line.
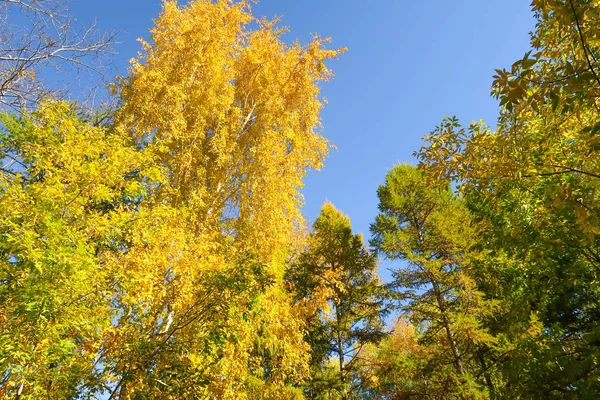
446,323
488,378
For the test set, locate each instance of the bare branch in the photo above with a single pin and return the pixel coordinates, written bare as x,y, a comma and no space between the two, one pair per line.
46,40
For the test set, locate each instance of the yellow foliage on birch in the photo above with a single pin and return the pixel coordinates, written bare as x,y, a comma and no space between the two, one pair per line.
232,115
228,118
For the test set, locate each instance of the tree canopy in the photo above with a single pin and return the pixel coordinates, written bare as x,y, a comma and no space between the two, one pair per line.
158,249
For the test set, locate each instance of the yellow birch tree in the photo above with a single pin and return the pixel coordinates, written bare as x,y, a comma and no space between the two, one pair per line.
229,117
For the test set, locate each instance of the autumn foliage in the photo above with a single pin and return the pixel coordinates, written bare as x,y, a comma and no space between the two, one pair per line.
148,259
157,250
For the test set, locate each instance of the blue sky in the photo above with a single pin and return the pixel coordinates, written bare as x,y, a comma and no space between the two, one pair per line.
409,63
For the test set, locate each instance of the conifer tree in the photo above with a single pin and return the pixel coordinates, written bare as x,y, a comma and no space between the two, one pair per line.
337,275
430,230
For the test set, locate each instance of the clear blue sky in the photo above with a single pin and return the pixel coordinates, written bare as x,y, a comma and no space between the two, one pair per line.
408,65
